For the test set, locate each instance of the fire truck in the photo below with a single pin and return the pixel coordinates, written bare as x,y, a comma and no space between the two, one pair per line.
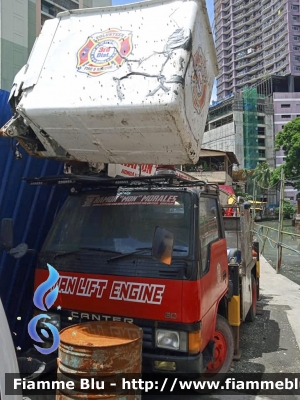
157,252
152,250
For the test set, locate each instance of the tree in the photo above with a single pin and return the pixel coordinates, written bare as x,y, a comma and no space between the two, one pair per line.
276,176
289,141
262,175
288,209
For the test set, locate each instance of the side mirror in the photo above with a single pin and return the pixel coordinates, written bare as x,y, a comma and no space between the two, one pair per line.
7,233
7,239
19,251
162,245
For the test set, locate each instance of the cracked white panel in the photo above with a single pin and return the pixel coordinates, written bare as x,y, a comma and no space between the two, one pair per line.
128,84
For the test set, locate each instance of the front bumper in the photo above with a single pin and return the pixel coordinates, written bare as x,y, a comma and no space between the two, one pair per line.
187,364
191,364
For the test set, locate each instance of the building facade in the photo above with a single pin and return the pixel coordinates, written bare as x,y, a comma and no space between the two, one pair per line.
255,39
242,124
20,24
286,108
50,8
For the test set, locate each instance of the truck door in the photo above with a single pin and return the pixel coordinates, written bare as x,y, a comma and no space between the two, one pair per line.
213,261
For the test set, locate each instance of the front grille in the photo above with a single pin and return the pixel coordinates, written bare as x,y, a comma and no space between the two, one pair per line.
148,342
148,331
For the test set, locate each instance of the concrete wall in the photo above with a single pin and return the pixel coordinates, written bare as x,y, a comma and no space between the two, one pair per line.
13,39
31,24
269,140
227,137
220,177
221,138
239,137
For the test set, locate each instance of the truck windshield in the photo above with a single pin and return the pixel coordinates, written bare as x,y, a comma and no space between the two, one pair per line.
122,222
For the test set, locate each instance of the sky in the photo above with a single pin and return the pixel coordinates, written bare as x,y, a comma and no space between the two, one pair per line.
210,10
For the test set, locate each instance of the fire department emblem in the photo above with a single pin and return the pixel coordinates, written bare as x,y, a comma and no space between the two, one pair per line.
199,80
104,52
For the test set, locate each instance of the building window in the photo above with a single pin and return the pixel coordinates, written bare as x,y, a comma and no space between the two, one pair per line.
297,68
285,105
296,48
295,18
260,119
296,37
296,8
286,116
295,28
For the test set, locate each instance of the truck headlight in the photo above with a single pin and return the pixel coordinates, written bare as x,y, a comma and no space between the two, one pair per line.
172,340
54,320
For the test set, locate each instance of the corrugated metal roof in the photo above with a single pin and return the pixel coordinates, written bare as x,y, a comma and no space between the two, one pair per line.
32,209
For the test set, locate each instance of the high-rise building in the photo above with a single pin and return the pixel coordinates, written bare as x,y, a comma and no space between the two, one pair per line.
258,45
20,24
50,8
256,39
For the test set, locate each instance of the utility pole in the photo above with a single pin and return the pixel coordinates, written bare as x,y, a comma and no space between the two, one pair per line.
280,223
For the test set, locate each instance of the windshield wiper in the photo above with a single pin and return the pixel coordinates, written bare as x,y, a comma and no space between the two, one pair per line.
100,249
137,251
123,255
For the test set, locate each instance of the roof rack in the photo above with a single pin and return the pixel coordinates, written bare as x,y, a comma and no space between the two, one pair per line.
82,181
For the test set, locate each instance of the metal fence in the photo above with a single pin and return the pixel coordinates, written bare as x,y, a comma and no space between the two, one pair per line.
279,245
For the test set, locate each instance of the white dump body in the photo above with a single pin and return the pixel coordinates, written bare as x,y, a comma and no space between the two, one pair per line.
126,84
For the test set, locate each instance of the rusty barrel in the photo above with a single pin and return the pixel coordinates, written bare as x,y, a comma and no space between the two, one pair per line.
102,352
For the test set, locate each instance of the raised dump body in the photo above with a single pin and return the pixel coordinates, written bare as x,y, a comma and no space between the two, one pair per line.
126,84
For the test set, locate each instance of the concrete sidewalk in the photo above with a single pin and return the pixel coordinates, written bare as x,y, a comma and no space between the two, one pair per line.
271,343
281,291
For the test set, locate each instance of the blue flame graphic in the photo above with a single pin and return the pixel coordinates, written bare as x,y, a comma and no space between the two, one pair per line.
34,335
44,288
49,284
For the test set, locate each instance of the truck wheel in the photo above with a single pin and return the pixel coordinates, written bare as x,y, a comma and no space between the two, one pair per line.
223,355
250,317
224,348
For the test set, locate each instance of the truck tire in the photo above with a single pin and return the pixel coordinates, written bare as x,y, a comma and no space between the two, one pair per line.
223,354
250,317
224,348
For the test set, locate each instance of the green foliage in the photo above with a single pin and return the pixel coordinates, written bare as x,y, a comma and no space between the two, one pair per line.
288,208
275,176
289,140
262,175
239,192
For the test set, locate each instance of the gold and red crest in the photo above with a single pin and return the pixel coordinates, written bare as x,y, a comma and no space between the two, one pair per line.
104,52
199,80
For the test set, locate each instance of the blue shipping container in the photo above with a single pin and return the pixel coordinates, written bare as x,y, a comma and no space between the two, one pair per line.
32,209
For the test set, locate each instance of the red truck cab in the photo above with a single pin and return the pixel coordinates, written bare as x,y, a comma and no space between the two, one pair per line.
101,243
